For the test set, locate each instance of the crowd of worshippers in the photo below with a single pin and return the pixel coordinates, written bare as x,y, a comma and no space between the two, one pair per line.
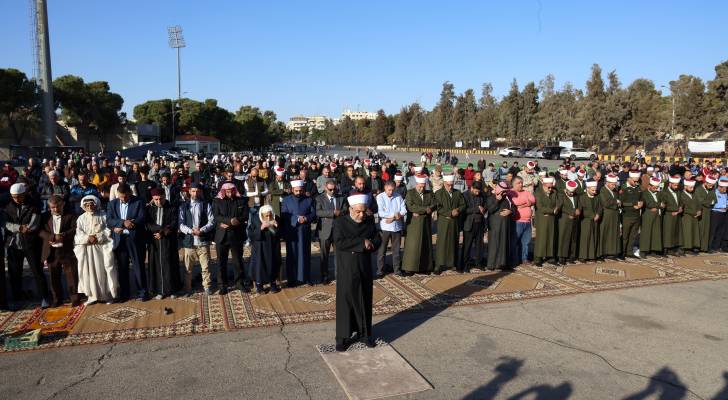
118,229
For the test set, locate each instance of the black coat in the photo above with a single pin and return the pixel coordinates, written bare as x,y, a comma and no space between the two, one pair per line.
265,259
354,283
499,231
472,210
224,210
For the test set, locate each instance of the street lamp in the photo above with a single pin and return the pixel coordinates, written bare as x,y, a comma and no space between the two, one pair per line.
176,41
672,94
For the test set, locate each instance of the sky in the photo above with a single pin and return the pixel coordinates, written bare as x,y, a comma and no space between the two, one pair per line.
320,57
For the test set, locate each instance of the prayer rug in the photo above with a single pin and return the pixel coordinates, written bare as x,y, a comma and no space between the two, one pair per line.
136,320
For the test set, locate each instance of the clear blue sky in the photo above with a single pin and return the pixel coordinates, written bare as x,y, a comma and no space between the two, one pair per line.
317,57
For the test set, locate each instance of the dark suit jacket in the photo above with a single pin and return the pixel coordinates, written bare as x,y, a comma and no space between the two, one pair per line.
135,213
472,210
223,210
325,214
68,231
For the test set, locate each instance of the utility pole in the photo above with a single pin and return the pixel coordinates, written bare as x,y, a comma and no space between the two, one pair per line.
176,41
45,75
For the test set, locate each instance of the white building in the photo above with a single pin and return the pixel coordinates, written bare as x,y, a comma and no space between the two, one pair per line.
297,122
357,115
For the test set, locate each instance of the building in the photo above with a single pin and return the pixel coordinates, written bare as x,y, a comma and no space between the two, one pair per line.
358,115
296,123
198,143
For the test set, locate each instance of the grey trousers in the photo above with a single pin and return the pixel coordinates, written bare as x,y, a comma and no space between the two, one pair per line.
396,238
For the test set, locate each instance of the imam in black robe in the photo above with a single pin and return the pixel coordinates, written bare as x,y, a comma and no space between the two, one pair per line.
354,284
163,257
499,231
265,258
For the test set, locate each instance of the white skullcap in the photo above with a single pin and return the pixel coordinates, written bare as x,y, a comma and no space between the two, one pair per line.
548,179
571,186
650,169
723,183
655,181
297,183
418,170
634,174
675,179
591,184
689,183
541,173
421,178
280,171
448,178
17,188
357,199
611,178
563,172
398,177
711,180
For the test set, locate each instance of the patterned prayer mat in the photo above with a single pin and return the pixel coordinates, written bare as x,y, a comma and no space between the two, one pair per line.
134,320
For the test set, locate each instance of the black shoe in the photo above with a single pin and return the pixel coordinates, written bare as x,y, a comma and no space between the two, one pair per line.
274,288
325,280
402,274
245,289
379,276
223,291
369,342
437,272
538,264
341,347
259,289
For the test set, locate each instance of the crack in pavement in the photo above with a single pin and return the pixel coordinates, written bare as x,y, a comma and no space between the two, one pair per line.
99,366
567,346
288,361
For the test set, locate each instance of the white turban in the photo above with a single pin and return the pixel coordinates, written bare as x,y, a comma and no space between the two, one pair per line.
17,188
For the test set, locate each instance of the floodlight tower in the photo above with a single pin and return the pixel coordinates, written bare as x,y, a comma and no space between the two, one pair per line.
176,41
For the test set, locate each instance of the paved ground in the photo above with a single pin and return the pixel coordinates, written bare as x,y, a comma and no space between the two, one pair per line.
666,342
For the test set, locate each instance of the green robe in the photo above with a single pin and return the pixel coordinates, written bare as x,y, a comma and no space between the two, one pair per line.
589,228
651,229
448,228
418,245
278,190
546,204
630,196
670,223
690,222
568,227
707,200
610,241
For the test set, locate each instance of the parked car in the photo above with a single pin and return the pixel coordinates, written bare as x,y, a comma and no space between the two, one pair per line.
531,153
511,152
550,152
577,154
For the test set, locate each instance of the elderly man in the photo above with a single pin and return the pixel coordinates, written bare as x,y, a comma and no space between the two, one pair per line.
21,230
256,190
196,223
328,208
392,212
57,231
610,242
420,204
569,224
356,238
298,212
125,217
547,208
473,226
54,186
690,222
651,226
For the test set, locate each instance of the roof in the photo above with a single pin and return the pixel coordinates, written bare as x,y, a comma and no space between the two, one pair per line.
196,138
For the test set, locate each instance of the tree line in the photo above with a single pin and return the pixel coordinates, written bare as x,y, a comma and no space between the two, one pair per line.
95,111
603,112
